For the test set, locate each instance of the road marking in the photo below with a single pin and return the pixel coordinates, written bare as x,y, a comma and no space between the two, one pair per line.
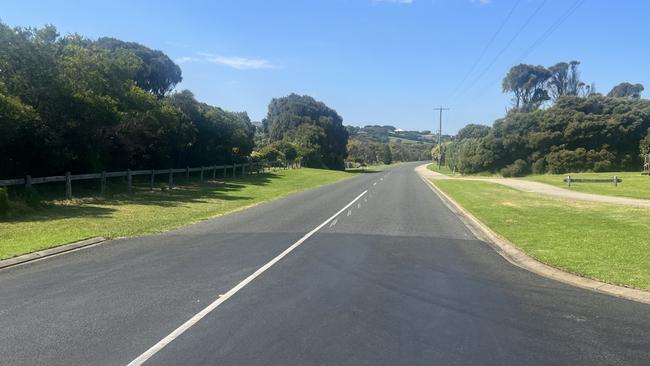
334,222
358,205
349,212
374,184
222,298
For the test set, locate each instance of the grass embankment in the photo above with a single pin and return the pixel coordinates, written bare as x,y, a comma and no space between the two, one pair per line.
443,169
605,242
60,222
634,184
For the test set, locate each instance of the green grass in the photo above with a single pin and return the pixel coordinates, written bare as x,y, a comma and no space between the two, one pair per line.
443,169
606,242
634,184
58,222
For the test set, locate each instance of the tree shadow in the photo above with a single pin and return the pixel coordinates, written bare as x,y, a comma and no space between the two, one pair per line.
88,203
363,171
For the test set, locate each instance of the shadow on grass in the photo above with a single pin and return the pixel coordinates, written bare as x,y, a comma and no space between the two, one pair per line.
363,171
88,203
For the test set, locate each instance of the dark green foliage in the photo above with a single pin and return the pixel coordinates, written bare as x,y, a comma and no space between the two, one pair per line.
594,133
365,151
316,129
402,151
157,73
539,166
279,151
288,151
268,154
72,104
644,144
4,201
387,155
565,80
527,83
472,131
626,90
517,169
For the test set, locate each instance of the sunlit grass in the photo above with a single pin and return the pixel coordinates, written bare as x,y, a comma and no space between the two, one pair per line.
634,184
443,169
605,242
59,222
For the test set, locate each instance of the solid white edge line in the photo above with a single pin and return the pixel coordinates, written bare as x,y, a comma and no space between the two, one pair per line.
200,315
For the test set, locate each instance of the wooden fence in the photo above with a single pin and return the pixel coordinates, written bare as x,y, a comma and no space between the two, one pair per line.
208,171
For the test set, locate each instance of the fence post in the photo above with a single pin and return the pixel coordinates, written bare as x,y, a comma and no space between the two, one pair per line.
234,170
129,181
615,181
224,171
153,178
28,181
187,173
568,180
103,183
214,172
201,173
243,170
68,186
171,178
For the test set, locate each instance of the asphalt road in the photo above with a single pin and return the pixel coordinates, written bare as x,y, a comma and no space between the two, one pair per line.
396,279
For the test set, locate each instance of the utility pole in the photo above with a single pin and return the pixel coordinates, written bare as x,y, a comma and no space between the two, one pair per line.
440,134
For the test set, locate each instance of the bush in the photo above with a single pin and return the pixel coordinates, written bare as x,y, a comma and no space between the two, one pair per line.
32,197
539,166
517,169
4,201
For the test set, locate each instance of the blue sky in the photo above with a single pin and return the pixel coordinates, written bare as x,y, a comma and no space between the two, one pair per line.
375,62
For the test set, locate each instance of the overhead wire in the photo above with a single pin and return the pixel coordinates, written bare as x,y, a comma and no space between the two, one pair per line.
486,48
547,33
505,48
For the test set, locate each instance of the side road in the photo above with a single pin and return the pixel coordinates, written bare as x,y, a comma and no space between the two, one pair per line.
514,255
545,189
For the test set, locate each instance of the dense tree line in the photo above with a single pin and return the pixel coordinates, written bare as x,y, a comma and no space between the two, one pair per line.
313,130
74,104
579,130
366,151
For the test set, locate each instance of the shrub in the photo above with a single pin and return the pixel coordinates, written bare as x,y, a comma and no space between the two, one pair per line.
32,197
4,201
539,166
517,169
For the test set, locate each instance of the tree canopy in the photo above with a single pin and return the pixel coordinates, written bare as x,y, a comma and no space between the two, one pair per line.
313,127
628,90
595,133
73,104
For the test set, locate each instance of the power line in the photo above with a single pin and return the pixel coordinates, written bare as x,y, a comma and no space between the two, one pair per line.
503,50
485,49
550,30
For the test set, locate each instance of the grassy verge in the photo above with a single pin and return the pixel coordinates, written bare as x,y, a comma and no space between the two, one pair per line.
634,184
442,169
58,222
605,242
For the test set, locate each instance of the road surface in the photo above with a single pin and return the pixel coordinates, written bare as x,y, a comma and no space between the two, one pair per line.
394,279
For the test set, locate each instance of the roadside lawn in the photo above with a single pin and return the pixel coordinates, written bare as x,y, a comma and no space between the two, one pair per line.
634,184
601,241
60,222
443,169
